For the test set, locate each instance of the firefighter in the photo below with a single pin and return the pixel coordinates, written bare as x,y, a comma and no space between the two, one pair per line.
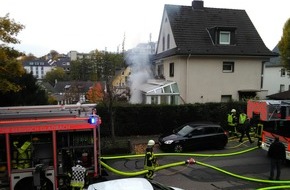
78,176
233,122
245,129
241,124
277,155
150,160
23,154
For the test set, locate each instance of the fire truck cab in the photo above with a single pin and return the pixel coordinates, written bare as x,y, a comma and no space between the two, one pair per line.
271,119
39,145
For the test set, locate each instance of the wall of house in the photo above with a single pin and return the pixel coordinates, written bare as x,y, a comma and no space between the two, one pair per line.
165,30
203,80
120,79
273,79
36,70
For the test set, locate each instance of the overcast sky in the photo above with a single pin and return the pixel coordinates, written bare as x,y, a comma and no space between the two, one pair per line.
86,25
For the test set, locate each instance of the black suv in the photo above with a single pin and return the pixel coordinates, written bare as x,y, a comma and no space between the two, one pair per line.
195,135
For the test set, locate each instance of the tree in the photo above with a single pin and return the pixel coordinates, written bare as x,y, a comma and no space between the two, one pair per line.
9,29
30,94
54,75
284,45
106,70
29,57
81,70
10,67
54,54
95,93
84,69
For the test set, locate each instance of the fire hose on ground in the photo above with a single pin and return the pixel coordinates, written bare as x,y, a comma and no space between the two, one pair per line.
284,183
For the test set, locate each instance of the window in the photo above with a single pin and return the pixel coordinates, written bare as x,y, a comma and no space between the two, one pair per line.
154,99
226,98
163,43
197,131
163,99
283,72
228,67
225,37
171,70
160,71
222,35
168,41
282,87
210,130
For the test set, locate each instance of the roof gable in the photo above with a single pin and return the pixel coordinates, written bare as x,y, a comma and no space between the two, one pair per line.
191,31
280,96
63,86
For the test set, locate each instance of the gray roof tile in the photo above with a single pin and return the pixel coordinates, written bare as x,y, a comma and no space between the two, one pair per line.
190,30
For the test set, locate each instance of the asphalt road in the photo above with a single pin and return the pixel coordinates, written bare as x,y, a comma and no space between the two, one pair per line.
212,171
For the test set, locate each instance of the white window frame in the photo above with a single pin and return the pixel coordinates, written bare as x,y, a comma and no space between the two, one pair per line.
225,37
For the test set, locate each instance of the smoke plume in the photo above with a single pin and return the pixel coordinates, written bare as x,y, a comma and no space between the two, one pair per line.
140,73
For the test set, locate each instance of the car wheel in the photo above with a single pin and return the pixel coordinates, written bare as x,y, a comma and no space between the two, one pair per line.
178,148
221,145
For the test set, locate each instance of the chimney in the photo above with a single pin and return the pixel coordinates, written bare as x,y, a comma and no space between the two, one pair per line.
197,4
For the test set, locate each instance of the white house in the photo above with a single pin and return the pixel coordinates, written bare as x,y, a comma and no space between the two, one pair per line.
276,77
38,68
213,54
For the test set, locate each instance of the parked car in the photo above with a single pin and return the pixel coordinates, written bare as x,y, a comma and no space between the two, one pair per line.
134,183
195,135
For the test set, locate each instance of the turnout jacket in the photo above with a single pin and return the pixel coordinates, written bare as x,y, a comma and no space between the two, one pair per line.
150,160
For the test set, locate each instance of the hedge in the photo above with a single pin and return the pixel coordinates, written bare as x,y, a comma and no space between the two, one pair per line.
131,120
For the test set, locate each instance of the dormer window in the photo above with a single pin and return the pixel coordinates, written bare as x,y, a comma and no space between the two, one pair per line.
222,35
225,38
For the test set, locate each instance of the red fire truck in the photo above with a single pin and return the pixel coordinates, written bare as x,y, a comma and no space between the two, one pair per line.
272,119
40,144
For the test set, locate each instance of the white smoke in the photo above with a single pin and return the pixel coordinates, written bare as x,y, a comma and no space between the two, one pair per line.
140,73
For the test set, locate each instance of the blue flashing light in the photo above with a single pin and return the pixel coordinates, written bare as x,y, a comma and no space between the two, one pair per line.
92,120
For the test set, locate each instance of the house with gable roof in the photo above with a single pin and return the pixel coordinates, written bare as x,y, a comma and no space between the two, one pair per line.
214,54
276,76
38,68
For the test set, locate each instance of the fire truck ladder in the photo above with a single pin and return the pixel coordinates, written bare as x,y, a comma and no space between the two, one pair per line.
45,111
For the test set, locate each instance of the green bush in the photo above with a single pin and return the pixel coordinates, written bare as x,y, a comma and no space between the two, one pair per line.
131,120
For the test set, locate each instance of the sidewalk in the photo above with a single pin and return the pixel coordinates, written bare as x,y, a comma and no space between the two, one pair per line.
139,143
132,144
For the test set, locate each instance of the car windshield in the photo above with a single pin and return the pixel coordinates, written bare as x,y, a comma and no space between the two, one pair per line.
159,186
184,130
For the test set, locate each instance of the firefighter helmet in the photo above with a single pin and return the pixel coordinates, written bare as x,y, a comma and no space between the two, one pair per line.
233,110
151,143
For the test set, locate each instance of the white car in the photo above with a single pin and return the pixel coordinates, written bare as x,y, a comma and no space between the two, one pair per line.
134,183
